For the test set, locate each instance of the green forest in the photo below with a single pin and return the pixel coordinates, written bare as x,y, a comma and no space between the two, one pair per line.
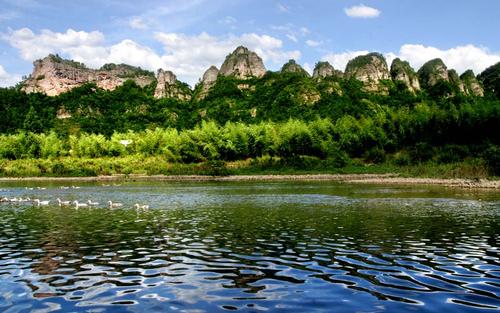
281,121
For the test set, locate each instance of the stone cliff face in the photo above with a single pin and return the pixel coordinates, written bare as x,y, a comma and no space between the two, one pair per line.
471,85
169,87
243,64
53,75
325,69
292,67
370,69
432,72
403,72
208,80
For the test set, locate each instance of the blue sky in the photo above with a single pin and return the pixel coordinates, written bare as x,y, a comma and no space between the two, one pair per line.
190,35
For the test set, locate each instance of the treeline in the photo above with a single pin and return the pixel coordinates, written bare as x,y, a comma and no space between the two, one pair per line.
337,141
275,97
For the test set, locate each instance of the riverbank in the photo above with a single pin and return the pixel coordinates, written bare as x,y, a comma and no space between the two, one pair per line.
382,179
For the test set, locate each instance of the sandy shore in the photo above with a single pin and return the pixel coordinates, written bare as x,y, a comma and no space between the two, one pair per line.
383,179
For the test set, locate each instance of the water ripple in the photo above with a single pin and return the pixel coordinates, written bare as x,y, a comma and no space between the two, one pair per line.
251,247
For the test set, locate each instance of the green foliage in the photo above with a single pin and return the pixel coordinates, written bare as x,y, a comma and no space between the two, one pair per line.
491,79
56,58
362,60
492,158
126,71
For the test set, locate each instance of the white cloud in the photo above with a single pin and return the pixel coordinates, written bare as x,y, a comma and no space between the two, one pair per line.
308,68
305,31
313,43
292,37
188,56
291,31
460,58
283,8
362,11
33,46
339,60
6,79
137,22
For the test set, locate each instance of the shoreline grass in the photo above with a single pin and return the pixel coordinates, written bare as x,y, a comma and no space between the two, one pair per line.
472,169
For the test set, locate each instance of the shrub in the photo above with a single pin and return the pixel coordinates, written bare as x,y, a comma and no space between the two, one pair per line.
375,155
492,159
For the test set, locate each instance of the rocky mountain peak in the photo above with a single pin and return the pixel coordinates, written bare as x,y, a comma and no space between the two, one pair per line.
325,69
208,80
371,69
472,86
243,64
54,75
403,72
210,75
169,87
292,67
432,72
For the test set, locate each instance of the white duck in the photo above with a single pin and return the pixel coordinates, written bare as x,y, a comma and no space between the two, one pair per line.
142,207
40,203
61,203
92,203
80,205
114,204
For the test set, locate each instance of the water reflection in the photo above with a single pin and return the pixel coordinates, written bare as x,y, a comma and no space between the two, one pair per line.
250,247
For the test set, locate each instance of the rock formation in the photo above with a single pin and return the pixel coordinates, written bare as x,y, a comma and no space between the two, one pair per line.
432,72
403,72
472,86
169,87
325,69
292,67
370,69
53,75
208,80
455,81
243,64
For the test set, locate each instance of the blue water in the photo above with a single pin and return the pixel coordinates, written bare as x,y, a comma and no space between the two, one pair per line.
274,247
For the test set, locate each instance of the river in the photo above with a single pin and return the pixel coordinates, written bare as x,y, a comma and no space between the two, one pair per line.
249,246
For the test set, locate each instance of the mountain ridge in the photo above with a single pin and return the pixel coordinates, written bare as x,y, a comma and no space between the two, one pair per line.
54,75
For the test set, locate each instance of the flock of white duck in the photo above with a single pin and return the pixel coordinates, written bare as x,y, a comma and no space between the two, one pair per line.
66,203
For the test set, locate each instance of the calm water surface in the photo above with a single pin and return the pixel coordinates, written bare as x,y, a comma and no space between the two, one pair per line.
275,247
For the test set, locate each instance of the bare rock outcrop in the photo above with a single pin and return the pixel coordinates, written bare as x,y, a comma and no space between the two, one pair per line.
243,64
432,72
403,72
208,80
472,86
54,75
292,67
325,69
371,69
169,87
